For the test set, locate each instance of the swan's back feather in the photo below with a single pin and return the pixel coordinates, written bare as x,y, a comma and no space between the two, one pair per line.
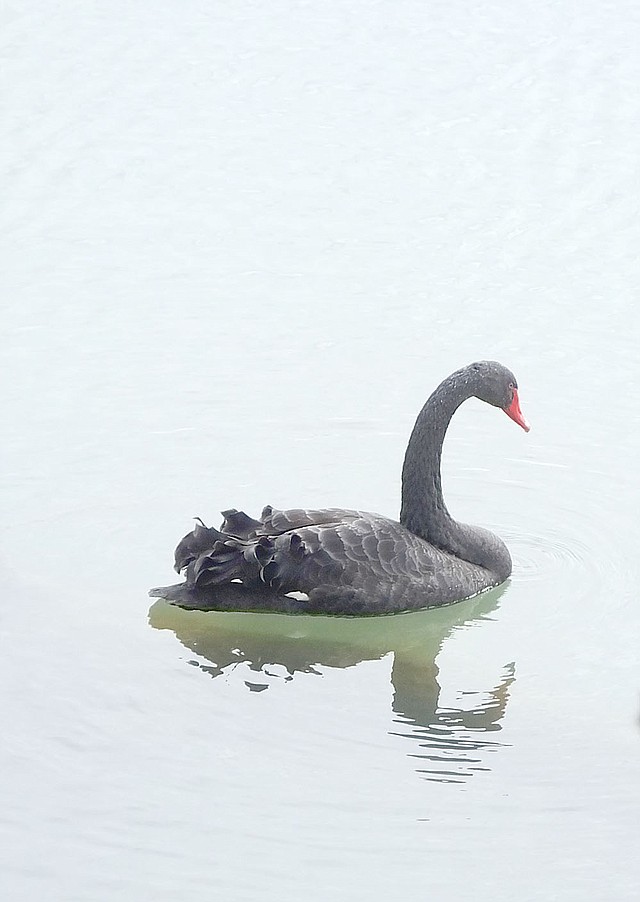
346,561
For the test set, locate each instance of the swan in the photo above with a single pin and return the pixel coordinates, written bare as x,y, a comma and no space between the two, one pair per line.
349,562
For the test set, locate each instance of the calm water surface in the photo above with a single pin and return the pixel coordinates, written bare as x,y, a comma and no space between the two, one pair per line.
240,246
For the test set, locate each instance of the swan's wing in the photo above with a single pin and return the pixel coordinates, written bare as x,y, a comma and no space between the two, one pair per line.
269,551
276,522
345,561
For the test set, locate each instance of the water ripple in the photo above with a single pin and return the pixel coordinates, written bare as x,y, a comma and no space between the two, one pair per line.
541,557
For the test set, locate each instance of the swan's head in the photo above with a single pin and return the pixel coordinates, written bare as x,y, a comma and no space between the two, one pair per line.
497,385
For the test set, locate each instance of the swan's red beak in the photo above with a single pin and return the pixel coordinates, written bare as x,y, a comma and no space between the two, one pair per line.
513,411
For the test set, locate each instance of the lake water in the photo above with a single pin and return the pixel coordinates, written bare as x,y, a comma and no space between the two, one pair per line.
241,244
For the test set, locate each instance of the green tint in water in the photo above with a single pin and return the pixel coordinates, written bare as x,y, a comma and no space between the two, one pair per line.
267,647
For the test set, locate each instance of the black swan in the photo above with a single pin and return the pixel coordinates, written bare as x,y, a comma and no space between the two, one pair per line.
348,562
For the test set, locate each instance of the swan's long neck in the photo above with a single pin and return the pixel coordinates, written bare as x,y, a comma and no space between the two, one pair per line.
423,509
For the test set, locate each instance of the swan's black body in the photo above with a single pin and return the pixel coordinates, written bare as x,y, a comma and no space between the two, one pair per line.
349,562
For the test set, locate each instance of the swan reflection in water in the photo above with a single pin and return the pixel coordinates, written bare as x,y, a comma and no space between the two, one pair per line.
449,744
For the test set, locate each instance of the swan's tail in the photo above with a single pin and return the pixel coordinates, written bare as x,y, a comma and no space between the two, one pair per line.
231,597
211,557
236,597
239,551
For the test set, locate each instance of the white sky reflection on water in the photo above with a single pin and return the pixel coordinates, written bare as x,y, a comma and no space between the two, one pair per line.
240,246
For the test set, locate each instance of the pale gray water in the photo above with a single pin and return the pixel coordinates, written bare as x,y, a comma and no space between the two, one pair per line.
241,243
